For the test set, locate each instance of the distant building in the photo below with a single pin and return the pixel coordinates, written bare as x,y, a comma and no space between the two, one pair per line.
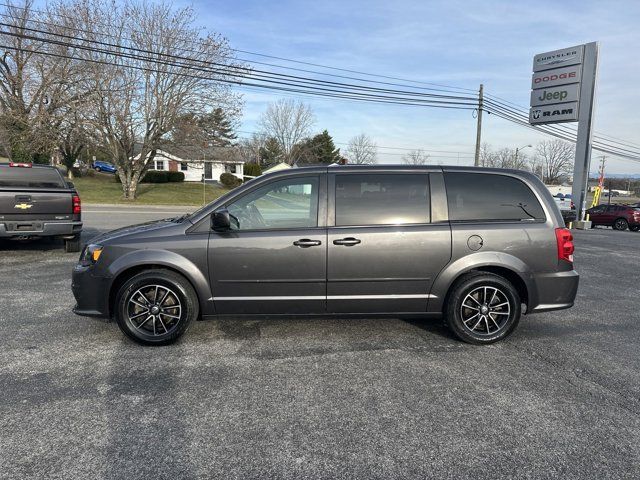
196,162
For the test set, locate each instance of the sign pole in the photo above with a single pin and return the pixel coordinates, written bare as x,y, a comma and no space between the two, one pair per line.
585,128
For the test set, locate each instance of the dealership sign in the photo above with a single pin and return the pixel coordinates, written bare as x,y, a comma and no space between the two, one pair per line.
555,77
552,95
555,86
558,58
567,112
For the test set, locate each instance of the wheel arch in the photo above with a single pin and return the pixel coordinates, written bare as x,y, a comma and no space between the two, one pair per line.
142,260
504,265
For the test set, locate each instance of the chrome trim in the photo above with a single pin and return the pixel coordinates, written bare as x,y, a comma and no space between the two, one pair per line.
329,297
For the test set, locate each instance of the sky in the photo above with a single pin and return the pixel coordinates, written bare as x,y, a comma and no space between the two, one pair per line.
456,43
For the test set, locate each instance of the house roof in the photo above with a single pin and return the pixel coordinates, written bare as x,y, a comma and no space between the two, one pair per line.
190,153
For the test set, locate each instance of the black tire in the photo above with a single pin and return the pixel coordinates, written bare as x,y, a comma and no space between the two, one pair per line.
72,245
176,310
620,224
98,169
497,322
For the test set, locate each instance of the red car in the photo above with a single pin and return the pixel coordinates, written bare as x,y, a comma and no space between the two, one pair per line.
620,217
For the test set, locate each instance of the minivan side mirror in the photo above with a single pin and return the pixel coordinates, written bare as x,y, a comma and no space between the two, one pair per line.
220,220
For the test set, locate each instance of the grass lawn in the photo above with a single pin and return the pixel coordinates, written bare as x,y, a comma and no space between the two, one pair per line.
102,188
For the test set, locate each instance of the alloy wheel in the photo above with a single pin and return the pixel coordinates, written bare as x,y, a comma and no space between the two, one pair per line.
154,310
485,310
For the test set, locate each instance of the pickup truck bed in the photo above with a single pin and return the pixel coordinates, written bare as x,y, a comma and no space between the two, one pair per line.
36,201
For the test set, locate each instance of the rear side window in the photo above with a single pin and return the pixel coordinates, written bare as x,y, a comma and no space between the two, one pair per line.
490,197
382,199
20,177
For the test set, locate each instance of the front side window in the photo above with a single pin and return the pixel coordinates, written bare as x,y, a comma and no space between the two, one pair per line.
490,197
382,199
288,203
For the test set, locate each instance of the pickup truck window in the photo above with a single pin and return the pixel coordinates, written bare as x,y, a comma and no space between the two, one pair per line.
389,199
19,177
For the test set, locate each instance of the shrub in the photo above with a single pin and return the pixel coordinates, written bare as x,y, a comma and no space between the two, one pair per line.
252,169
229,180
175,176
155,176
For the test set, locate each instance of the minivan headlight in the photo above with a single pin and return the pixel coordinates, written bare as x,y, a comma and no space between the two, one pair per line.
91,254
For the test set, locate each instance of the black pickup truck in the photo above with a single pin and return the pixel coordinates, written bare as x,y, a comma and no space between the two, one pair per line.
36,201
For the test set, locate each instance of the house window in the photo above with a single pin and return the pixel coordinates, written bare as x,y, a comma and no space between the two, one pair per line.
184,166
231,168
158,165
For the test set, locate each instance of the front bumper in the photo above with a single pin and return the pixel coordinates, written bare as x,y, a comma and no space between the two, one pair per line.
556,290
91,292
39,228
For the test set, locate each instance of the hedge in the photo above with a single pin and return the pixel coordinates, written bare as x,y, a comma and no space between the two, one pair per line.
159,176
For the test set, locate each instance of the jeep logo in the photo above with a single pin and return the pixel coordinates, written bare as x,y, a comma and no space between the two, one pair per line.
559,96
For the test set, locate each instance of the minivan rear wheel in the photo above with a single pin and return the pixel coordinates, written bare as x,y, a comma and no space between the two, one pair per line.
156,307
483,308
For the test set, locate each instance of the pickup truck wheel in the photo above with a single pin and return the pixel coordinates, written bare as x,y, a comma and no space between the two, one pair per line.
72,245
156,307
483,308
620,224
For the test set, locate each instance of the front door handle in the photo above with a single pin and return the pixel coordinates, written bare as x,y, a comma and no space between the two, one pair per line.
347,242
305,243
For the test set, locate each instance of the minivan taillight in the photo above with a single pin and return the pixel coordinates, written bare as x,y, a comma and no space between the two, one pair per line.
77,206
565,244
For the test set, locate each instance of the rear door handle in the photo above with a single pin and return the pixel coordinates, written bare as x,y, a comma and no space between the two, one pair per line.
347,242
305,243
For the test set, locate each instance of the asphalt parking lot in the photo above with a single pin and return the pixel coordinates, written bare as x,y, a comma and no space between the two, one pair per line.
318,398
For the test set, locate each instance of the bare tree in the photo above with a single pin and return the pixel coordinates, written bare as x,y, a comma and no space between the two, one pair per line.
137,99
289,122
556,158
416,157
361,150
34,88
487,156
249,148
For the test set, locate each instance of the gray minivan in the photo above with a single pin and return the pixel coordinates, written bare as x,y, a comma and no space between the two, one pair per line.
478,246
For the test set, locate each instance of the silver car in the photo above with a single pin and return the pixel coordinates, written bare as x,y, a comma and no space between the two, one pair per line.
477,246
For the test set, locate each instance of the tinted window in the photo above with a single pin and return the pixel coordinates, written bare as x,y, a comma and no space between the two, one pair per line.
478,196
35,177
382,199
289,203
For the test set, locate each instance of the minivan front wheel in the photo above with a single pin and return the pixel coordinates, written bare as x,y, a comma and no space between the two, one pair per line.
155,307
483,308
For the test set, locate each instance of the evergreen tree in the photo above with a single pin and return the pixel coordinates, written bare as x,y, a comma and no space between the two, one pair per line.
318,149
218,128
271,152
212,129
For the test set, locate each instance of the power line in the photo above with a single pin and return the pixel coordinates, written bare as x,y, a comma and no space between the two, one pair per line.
452,89
310,85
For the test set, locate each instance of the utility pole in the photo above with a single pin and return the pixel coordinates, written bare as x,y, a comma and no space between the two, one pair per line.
479,128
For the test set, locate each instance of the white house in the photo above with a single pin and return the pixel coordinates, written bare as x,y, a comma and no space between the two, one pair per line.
196,162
